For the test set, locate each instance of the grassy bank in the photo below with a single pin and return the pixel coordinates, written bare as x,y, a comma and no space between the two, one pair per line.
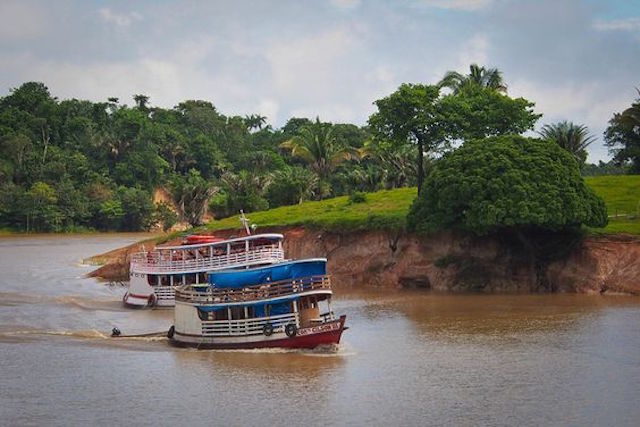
388,209
381,210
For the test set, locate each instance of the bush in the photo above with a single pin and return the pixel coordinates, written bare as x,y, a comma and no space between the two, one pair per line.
357,197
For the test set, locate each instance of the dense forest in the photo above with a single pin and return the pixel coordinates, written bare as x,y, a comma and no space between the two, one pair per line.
69,165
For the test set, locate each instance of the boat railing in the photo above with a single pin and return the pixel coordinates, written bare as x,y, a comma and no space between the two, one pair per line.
154,263
164,292
213,295
242,327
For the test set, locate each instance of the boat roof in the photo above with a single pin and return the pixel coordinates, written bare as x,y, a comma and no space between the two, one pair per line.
268,236
288,270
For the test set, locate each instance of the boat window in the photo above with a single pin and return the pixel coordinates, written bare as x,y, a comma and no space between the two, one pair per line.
237,313
204,315
221,314
281,308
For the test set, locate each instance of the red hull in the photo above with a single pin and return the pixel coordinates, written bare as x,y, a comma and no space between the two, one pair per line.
310,340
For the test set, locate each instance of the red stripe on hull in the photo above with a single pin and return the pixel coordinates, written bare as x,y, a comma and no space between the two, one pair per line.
304,341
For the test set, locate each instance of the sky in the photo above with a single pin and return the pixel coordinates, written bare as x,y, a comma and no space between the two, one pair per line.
577,60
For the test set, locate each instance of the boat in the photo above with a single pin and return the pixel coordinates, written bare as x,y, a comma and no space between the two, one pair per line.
270,306
154,275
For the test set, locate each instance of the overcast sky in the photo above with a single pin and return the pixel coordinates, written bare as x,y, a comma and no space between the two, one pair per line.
577,60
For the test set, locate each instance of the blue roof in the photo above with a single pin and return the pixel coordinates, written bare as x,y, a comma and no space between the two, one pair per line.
236,279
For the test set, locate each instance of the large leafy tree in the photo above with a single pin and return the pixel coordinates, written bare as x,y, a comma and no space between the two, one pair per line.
527,188
411,115
478,76
476,112
572,137
623,136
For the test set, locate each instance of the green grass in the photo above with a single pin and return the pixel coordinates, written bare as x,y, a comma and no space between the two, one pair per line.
388,209
621,194
382,210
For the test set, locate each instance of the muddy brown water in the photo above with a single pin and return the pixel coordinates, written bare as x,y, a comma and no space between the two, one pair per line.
409,358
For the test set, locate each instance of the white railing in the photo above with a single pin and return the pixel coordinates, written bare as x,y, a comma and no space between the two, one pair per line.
152,262
165,292
212,295
219,328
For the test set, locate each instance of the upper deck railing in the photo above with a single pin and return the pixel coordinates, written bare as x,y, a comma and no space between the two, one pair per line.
159,261
212,295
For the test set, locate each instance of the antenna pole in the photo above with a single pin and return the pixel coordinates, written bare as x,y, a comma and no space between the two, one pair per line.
245,222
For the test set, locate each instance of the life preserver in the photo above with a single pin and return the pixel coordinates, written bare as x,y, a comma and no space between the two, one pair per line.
171,332
291,330
267,329
152,300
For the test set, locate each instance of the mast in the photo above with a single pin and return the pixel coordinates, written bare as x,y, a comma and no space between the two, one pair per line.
245,222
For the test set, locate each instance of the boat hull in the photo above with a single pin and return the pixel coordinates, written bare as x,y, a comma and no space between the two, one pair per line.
306,338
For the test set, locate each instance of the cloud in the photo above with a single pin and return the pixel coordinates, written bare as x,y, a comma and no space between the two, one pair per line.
19,21
268,108
588,103
627,24
475,51
465,5
307,66
346,4
119,20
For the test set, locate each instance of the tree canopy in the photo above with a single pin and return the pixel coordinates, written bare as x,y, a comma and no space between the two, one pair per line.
506,182
572,137
411,115
478,76
623,136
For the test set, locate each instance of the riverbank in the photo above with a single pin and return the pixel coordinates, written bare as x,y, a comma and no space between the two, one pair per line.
445,262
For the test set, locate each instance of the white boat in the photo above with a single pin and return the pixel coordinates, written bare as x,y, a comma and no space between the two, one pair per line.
273,306
154,275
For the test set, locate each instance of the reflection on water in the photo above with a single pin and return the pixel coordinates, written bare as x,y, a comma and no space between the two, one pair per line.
409,358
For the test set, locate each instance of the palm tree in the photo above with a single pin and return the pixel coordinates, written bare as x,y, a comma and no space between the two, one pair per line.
486,77
317,146
255,121
572,137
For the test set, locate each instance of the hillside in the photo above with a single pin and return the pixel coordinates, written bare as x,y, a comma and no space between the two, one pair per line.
387,209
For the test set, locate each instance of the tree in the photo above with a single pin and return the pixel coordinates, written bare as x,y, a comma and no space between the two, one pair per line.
137,207
397,162
191,194
623,136
291,185
411,115
476,112
255,121
141,102
573,138
529,189
43,212
165,216
317,146
245,191
478,76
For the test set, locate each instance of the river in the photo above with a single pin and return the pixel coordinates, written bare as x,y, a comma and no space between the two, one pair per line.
409,358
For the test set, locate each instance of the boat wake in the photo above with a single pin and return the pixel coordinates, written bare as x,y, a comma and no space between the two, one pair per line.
90,304
12,299
320,351
33,334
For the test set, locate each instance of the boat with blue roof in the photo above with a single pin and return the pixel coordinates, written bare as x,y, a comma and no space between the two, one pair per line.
286,304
